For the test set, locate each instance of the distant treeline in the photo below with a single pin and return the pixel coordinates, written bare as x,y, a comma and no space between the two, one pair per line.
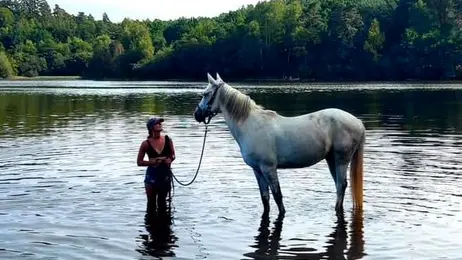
308,39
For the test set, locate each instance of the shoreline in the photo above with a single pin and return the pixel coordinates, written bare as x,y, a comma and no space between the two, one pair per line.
24,78
242,80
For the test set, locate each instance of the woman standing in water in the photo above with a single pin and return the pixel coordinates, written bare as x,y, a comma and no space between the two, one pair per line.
161,154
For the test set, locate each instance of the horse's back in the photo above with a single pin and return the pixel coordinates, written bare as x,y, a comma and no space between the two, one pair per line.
342,118
306,139
328,117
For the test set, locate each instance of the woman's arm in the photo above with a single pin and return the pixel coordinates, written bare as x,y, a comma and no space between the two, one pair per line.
170,158
173,150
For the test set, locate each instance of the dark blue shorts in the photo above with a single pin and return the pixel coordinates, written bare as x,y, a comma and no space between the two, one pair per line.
157,176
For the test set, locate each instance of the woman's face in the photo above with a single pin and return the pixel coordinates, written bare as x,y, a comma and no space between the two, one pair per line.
157,127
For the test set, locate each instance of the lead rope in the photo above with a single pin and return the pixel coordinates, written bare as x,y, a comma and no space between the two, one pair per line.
202,154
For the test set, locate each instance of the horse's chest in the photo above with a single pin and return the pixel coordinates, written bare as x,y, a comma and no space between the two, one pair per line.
257,154
257,148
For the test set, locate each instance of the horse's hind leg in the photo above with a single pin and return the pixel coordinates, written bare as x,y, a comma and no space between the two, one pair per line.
330,158
341,183
338,165
264,190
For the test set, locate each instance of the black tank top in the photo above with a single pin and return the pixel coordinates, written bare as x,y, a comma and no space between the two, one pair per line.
166,151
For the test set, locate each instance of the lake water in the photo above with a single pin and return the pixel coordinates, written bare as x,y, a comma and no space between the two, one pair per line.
70,187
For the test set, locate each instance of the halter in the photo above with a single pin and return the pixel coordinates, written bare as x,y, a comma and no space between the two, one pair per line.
211,114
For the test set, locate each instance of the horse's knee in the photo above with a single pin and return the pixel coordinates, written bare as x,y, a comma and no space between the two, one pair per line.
341,177
342,183
265,200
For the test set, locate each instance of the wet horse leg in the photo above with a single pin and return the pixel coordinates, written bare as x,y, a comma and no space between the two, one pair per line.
270,173
341,167
264,191
330,158
338,165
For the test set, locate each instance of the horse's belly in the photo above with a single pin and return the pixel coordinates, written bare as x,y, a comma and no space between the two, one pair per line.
300,159
297,150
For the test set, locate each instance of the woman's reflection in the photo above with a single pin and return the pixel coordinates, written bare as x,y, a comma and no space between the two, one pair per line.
268,243
160,240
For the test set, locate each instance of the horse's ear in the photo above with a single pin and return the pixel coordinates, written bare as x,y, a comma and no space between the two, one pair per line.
211,80
219,78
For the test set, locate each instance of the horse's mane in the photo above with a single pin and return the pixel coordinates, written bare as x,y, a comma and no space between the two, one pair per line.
237,104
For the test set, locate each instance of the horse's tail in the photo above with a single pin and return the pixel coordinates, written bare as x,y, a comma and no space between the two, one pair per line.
356,175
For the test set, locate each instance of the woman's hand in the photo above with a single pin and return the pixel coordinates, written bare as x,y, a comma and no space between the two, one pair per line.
168,160
156,161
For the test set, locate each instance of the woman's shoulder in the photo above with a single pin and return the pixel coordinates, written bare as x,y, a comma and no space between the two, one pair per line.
145,143
167,137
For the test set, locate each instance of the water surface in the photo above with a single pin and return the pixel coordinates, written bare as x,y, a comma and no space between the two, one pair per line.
70,187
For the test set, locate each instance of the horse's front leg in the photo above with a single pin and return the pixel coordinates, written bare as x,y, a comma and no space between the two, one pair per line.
271,175
264,191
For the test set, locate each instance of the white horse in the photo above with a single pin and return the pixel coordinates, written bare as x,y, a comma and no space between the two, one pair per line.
269,141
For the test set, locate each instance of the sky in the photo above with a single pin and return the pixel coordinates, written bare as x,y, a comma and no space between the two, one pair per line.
117,10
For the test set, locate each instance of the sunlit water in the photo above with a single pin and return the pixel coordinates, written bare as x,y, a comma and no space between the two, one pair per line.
70,187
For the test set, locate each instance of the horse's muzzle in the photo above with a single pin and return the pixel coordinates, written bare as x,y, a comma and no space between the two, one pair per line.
199,115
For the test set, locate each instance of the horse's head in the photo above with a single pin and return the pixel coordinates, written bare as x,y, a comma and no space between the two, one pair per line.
208,106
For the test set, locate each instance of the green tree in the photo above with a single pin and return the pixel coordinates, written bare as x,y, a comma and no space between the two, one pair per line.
311,39
6,70
375,40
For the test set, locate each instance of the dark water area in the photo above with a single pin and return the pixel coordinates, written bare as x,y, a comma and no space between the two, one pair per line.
70,187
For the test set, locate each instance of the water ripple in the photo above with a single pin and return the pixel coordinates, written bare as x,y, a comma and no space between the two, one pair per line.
70,187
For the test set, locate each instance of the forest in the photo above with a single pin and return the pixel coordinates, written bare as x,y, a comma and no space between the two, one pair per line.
313,40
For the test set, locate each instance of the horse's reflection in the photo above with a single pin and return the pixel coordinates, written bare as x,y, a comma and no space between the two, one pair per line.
268,243
160,239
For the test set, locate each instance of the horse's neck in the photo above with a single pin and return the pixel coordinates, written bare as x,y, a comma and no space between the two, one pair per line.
233,126
237,129
236,124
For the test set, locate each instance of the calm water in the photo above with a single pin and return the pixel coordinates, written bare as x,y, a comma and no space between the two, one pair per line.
70,187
